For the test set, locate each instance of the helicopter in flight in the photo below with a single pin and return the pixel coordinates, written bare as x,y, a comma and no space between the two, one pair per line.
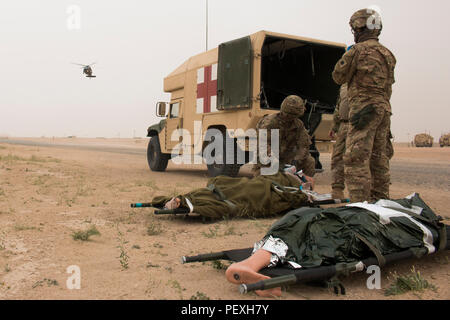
87,70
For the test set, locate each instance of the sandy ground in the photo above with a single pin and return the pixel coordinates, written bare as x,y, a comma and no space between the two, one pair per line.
49,192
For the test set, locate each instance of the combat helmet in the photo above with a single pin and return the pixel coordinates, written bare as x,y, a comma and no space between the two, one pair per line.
366,18
294,106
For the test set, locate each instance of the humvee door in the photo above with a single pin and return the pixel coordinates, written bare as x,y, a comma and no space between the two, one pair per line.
234,74
174,122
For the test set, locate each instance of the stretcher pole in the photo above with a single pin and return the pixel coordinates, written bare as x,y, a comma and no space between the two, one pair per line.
322,273
205,257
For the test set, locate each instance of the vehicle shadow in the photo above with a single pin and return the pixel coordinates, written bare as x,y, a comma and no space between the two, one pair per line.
202,171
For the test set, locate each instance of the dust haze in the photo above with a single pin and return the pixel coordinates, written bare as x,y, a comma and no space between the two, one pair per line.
137,43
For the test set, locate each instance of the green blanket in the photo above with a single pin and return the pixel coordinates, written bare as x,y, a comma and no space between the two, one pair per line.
317,237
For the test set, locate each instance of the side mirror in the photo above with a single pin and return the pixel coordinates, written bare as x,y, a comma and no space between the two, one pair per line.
161,109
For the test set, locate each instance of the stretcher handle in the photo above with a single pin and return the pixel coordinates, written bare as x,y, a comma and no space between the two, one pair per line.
141,205
204,257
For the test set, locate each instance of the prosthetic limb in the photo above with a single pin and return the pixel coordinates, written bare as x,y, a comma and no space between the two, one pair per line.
246,272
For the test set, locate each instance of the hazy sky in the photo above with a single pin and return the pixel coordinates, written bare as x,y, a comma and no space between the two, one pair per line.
138,42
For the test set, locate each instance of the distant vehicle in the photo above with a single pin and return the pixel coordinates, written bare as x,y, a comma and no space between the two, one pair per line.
444,141
423,140
87,70
234,85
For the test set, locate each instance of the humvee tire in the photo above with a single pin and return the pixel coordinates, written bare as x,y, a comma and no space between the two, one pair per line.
230,170
157,161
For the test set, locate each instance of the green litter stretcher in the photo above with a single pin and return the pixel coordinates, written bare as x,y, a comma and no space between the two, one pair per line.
259,197
328,243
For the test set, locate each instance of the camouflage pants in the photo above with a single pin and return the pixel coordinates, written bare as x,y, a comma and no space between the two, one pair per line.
337,158
389,147
366,164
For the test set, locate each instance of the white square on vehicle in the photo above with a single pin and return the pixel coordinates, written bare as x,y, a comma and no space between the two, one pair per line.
214,72
200,105
214,104
200,75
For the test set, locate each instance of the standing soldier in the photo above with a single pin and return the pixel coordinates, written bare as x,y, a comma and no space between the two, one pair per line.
368,69
339,131
294,140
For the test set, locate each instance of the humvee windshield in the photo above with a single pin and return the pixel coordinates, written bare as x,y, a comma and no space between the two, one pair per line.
301,68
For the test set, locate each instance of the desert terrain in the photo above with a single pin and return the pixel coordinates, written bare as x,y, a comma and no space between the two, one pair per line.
51,188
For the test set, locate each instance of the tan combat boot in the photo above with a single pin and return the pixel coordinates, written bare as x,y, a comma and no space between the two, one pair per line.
337,194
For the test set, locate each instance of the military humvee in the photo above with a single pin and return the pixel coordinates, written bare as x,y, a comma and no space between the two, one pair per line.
423,140
444,140
236,84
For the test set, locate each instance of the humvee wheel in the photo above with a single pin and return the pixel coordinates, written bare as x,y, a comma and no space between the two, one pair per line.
157,161
230,170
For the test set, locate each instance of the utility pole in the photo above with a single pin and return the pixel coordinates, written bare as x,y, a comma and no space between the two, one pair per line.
206,25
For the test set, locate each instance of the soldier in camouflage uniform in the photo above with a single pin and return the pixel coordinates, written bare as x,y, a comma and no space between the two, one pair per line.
227,197
294,140
339,131
368,69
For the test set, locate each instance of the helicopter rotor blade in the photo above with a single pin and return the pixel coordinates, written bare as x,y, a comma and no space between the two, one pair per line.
79,64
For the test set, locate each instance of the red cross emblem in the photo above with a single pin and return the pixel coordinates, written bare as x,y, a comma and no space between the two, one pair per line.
207,89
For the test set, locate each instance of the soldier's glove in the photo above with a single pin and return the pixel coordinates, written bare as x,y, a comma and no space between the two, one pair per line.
361,119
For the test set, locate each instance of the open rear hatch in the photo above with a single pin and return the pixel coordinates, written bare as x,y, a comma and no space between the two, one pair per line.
289,66
298,67
302,68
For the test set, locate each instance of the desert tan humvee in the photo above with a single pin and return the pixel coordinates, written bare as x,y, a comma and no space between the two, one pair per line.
423,140
444,140
235,85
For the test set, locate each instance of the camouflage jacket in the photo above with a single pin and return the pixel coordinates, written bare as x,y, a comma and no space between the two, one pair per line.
341,112
294,138
368,69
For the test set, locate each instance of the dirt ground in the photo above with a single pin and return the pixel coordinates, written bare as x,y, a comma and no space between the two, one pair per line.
47,193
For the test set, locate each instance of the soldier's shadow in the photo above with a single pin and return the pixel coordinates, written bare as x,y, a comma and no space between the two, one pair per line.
199,172
192,218
193,172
